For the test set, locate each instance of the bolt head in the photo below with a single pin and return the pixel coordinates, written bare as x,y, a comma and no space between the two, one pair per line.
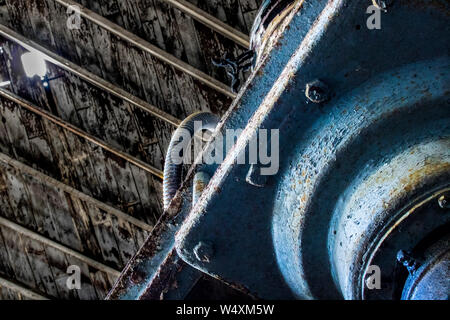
137,276
254,176
444,201
317,91
204,251
382,4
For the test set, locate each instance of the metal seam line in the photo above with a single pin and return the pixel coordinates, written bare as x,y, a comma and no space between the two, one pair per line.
43,178
37,237
56,120
211,22
148,47
86,75
21,290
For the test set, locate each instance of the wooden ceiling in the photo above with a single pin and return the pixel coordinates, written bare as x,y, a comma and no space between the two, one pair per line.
81,160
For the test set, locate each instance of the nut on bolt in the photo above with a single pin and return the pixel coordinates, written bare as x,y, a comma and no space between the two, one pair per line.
317,91
204,251
407,260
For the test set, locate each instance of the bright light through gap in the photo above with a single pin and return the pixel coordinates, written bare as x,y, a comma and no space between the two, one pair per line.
34,64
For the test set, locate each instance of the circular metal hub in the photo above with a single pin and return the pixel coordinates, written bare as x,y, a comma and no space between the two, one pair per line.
411,231
431,281
363,184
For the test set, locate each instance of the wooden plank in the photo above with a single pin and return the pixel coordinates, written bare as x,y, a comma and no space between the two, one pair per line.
17,19
45,223
7,294
15,130
105,52
4,15
99,120
78,157
39,15
6,268
150,192
5,144
125,239
58,265
127,189
171,88
68,176
87,290
50,243
131,138
83,43
63,96
17,257
150,26
112,113
28,88
61,145
62,215
63,40
249,10
189,38
107,185
40,267
103,230
101,282
215,8
19,199
84,226
5,206
14,291
38,148
169,29
130,15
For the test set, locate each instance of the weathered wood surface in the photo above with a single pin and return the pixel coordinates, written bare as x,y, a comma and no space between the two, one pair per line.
237,13
56,214
10,290
65,219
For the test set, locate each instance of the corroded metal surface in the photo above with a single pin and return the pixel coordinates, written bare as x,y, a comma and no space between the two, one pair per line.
327,148
431,280
350,165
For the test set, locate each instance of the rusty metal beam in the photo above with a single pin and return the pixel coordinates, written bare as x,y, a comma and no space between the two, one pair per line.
21,290
75,130
43,178
37,237
211,22
86,75
148,47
